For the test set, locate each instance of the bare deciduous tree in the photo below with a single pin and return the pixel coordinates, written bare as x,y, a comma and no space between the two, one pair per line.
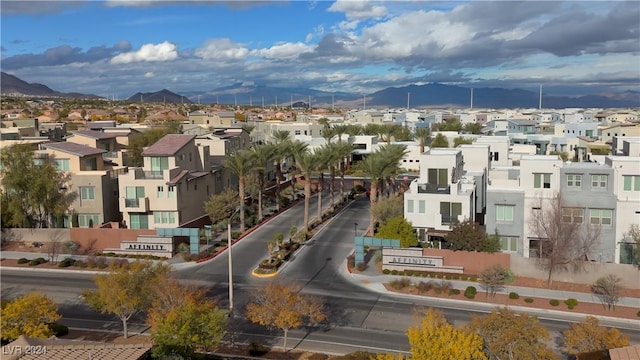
608,289
493,279
565,241
54,246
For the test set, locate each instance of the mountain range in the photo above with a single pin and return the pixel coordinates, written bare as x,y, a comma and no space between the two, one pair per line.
414,96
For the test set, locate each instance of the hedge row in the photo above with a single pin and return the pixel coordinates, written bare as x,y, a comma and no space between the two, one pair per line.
433,275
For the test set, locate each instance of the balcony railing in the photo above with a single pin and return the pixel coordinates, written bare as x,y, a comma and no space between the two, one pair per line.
149,175
111,154
131,203
433,189
449,220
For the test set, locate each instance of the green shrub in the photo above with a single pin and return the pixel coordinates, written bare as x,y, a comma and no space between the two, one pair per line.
432,275
67,262
456,277
638,314
439,276
473,278
386,271
59,329
464,278
23,261
408,272
37,261
571,303
235,234
514,295
528,300
470,292
256,349
351,261
554,302
454,292
448,277
361,266
400,283
394,272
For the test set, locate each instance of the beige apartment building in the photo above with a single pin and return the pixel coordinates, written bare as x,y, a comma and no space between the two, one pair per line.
215,118
94,184
172,186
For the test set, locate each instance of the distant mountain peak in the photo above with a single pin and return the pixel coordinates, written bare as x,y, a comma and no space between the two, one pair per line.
163,95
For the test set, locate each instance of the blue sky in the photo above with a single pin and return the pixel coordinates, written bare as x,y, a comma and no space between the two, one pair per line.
117,48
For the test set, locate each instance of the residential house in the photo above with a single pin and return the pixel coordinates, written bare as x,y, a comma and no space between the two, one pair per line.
172,186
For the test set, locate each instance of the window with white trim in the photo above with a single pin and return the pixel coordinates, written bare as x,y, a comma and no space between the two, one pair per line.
631,182
599,181
160,191
572,215
421,206
602,217
164,217
88,220
509,243
171,191
410,206
87,193
542,180
574,180
504,213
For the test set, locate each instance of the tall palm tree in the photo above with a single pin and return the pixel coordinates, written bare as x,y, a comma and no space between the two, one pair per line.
331,157
393,154
281,140
343,151
375,166
262,155
240,163
323,160
422,134
340,130
293,148
305,163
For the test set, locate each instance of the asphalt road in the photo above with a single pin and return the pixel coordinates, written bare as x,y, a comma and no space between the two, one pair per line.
358,317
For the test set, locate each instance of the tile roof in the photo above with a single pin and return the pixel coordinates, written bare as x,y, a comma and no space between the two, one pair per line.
63,349
73,148
95,134
168,145
625,353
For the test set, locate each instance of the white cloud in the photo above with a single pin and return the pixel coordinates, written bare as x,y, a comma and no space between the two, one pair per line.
222,49
164,51
358,9
283,51
148,74
309,37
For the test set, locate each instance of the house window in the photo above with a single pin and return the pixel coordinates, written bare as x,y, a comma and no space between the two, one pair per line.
87,193
134,192
542,180
628,253
171,191
62,164
509,243
574,180
164,217
88,220
504,213
296,132
139,221
599,181
572,215
159,163
160,191
410,206
449,212
631,182
601,217
421,206
91,164
437,176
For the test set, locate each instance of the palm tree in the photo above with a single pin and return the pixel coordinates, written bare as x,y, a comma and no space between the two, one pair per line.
323,159
262,155
340,130
240,163
393,154
422,134
330,154
306,164
375,166
281,140
343,151
293,148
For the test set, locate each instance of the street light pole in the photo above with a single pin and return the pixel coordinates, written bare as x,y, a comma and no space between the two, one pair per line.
229,245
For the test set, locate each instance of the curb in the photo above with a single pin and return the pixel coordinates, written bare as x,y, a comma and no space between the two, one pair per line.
19,268
302,244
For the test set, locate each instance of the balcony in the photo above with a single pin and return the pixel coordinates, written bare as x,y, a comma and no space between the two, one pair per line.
149,175
433,189
134,205
448,220
111,154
